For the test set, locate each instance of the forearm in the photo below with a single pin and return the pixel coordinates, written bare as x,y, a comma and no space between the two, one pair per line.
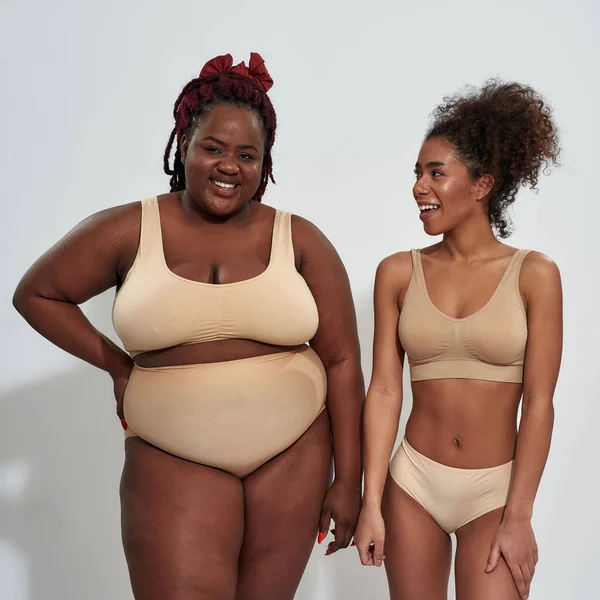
533,445
382,417
65,325
345,397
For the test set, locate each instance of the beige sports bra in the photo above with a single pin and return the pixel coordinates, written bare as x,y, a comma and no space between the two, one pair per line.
487,345
155,308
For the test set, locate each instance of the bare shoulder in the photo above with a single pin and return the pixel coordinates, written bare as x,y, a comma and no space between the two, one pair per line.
89,259
540,275
313,251
114,226
395,269
396,264
539,266
111,235
118,218
306,234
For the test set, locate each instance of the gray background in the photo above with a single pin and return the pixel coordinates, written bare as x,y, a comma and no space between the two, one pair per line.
85,112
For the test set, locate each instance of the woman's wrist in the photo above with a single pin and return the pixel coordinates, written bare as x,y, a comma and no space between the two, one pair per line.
350,479
517,514
372,501
120,366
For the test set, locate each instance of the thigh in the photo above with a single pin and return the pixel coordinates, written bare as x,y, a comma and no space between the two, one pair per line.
418,552
474,541
182,526
283,501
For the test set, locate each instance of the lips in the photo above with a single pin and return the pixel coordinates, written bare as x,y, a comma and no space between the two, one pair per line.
428,210
428,207
226,185
223,189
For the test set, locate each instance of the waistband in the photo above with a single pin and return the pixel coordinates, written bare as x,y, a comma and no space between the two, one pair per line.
414,454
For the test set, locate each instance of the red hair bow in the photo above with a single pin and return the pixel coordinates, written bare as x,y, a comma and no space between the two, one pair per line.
224,64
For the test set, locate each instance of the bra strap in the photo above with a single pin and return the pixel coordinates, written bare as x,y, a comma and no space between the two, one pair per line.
417,276
515,273
282,246
150,231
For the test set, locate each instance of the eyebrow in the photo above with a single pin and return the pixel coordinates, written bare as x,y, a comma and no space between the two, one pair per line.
431,163
222,143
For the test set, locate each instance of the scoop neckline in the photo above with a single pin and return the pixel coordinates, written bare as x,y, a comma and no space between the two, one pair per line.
205,283
421,272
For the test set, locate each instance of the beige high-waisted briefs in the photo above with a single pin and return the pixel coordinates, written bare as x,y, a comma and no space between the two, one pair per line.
234,415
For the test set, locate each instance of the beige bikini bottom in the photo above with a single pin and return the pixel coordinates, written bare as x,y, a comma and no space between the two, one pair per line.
453,497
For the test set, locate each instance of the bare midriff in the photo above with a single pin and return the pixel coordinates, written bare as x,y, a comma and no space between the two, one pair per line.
464,423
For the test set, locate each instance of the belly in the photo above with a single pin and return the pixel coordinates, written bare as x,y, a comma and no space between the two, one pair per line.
234,415
464,423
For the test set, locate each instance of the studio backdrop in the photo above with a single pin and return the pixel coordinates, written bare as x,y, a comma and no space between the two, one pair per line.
85,113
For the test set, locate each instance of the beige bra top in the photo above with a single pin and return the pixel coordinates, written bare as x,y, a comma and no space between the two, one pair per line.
155,308
487,345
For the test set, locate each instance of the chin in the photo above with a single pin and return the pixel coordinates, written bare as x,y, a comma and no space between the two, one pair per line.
222,207
433,231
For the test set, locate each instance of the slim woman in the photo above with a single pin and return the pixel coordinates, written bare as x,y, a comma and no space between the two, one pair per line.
481,325
242,371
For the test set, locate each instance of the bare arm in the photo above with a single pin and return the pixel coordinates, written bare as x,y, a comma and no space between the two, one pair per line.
336,343
384,398
85,263
515,540
542,290
383,404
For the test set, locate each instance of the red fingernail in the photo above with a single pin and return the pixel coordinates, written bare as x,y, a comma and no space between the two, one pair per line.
124,424
320,538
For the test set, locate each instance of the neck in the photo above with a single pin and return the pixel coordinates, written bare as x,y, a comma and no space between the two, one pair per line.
470,241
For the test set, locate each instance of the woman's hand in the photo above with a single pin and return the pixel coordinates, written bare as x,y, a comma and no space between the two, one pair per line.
370,537
342,504
515,542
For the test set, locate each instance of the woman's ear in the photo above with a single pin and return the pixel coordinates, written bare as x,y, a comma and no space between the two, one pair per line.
484,186
183,146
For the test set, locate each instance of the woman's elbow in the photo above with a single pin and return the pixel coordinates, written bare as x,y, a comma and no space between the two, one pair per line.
19,299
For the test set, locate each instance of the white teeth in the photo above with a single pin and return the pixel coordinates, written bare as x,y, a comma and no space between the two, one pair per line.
425,207
227,186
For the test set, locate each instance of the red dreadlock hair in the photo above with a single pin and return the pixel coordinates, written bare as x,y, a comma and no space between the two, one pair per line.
223,84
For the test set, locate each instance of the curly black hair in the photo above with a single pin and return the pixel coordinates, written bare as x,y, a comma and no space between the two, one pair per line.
501,129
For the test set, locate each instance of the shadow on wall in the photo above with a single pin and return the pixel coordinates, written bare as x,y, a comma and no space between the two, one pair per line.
61,453
61,456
